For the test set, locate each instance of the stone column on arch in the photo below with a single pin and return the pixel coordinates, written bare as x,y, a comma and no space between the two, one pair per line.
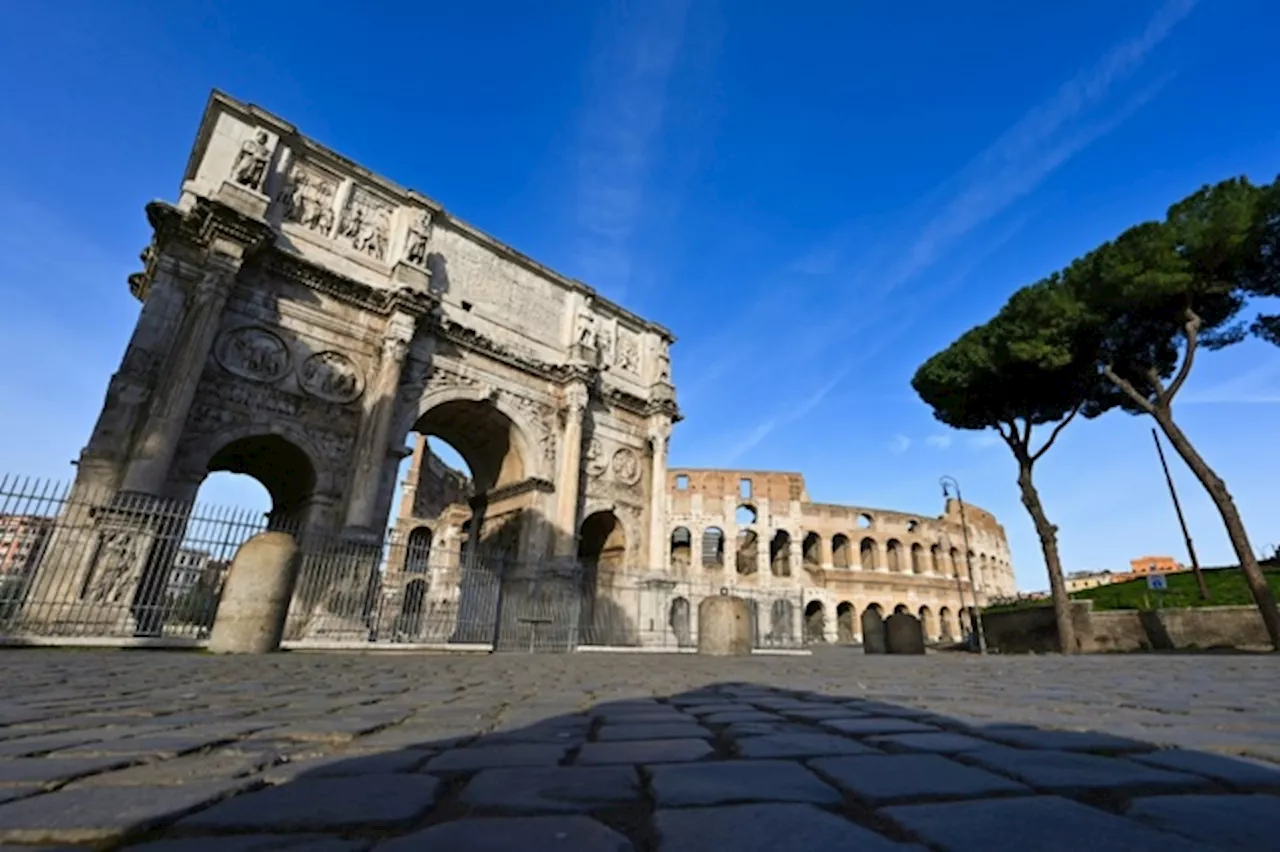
659,535
569,475
375,425
157,441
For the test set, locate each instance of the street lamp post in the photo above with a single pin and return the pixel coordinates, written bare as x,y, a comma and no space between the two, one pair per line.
948,483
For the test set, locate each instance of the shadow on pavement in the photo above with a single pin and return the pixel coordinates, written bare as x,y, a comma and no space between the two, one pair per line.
731,766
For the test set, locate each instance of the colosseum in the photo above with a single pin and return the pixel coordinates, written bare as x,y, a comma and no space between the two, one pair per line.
813,572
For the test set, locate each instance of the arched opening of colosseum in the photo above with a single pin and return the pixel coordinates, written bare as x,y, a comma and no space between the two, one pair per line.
955,562
417,555
747,555
946,626
602,548
901,609
971,564
867,554
864,521
713,548
680,622
815,622
917,559
844,622
894,549
412,608
928,623
811,551
983,577
681,548
780,554
782,616
873,627
840,551
935,559
745,515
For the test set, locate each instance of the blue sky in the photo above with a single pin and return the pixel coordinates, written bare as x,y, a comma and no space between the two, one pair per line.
814,197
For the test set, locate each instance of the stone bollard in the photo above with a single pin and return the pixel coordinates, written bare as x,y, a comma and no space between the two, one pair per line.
724,626
903,634
255,596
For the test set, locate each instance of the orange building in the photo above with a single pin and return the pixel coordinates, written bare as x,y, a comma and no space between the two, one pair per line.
1144,565
21,537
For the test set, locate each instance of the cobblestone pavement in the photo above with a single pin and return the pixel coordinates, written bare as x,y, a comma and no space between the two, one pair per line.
170,752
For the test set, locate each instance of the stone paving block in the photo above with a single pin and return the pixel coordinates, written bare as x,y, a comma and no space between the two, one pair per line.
1086,741
323,804
819,714
528,834
799,745
415,737
182,770
739,716
883,779
553,789
1241,774
1040,823
871,726
343,765
1073,773
739,730
157,745
765,828
24,771
42,744
644,751
702,710
652,731
727,782
8,794
496,756
99,813
656,717
252,843
1247,822
879,708
943,742
552,736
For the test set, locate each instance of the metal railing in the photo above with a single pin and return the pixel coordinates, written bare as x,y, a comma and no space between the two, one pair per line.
74,564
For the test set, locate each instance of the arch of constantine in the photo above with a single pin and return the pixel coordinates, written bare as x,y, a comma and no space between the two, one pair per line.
309,323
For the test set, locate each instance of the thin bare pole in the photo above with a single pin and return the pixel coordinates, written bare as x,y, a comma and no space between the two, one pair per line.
968,558
1182,521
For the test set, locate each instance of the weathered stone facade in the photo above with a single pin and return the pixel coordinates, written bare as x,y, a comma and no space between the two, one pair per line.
301,317
852,565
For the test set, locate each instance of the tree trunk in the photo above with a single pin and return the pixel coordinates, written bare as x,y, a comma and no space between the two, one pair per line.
1230,517
1049,544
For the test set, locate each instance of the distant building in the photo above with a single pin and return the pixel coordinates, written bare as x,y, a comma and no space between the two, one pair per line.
21,539
1081,580
189,568
1144,565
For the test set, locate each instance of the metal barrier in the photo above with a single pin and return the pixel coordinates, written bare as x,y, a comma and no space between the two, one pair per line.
133,567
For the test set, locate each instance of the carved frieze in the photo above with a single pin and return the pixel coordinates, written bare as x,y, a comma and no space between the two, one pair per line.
366,223
307,199
250,168
584,333
331,376
596,461
626,466
540,416
627,356
117,566
415,246
254,353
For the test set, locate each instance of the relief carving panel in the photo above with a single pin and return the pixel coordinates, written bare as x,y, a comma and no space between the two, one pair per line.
331,376
253,353
366,223
307,199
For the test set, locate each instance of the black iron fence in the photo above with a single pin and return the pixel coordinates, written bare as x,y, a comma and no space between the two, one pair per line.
127,566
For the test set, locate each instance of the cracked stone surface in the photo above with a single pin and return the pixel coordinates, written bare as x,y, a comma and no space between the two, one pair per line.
180,752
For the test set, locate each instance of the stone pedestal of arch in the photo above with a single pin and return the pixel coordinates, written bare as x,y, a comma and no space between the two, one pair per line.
724,627
903,634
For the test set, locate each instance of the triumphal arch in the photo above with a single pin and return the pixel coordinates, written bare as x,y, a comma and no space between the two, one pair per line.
302,317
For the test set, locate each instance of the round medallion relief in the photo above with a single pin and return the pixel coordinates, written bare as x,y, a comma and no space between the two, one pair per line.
253,353
626,467
331,376
596,463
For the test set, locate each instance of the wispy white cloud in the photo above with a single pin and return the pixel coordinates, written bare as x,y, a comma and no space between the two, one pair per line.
899,444
1258,386
636,53
983,440
791,414
1036,146
939,442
